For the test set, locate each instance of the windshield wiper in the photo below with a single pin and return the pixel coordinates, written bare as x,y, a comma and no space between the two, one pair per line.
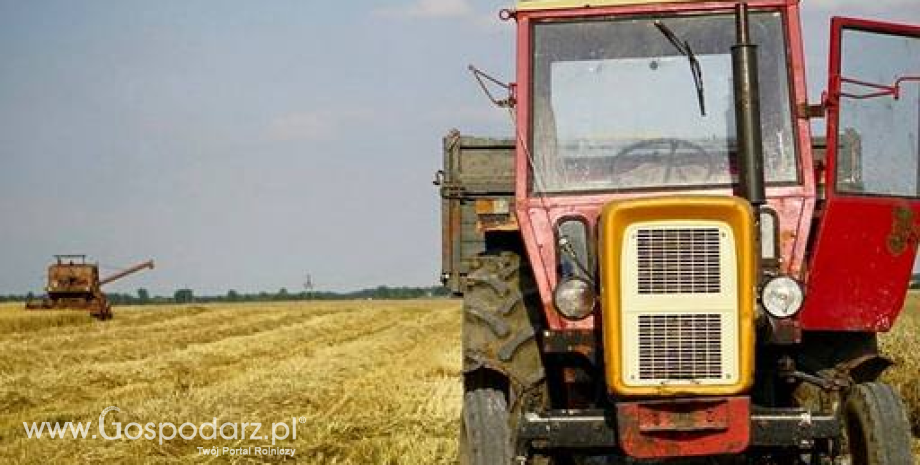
684,49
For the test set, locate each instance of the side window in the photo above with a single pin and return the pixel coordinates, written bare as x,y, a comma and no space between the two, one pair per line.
878,140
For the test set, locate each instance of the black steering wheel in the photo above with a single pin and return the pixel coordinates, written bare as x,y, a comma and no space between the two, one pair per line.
677,156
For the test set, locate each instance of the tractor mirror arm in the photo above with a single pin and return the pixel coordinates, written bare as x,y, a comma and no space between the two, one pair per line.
486,80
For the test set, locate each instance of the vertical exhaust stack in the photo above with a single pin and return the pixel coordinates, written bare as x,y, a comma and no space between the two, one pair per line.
747,112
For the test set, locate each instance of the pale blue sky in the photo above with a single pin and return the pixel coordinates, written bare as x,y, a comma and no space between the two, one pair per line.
245,144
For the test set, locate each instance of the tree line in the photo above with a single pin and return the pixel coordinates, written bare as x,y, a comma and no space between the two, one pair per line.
181,296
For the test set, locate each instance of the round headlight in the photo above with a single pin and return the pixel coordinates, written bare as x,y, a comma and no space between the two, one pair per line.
575,298
782,297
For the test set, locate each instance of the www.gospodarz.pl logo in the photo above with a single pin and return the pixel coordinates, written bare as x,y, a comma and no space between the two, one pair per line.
168,431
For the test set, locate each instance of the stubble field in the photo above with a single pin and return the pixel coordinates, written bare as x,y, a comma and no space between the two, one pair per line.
368,382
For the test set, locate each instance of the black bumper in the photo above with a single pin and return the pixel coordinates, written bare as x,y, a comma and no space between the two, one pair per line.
597,429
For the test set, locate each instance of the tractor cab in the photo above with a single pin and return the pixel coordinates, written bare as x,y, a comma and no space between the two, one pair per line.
628,99
688,270
71,274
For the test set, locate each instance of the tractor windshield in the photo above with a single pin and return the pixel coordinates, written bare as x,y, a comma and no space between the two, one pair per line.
619,104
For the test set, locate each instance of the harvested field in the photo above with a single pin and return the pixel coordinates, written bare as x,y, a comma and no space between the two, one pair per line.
375,382
903,346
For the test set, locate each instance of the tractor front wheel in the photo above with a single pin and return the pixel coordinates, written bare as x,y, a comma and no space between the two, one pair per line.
877,427
485,436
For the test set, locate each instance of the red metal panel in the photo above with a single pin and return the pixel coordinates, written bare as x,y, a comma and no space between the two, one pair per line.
649,8
795,232
684,428
865,249
858,280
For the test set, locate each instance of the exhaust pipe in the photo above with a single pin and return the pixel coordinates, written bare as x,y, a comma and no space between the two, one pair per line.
747,112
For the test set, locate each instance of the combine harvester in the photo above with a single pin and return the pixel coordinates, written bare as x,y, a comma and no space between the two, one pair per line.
74,284
663,263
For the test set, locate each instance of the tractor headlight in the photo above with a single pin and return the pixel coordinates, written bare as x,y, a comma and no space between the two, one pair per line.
782,297
575,298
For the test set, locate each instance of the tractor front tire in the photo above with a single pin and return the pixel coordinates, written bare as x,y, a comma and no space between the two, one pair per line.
485,436
877,428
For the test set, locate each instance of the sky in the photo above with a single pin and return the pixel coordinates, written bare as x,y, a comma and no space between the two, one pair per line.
245,145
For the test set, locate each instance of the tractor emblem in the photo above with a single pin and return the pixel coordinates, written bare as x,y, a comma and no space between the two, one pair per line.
904,232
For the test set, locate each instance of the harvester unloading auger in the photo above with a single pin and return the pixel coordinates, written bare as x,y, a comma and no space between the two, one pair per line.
75,284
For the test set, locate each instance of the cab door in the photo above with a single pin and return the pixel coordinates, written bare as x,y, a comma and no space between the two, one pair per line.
864,253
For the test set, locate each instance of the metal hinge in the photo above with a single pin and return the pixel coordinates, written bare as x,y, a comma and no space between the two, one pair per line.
806,111
453,191
449,190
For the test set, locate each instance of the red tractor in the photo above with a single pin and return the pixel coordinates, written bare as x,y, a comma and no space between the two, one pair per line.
664,263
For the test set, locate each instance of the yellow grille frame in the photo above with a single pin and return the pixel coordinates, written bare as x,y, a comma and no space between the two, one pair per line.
616,219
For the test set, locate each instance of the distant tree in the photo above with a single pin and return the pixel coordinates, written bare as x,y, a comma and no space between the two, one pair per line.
143,296
120,299
233,296
184,296
282,294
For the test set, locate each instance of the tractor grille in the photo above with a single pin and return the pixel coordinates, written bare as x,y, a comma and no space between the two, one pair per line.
679,260
680,347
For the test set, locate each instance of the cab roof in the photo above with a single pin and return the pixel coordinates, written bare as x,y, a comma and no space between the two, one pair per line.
525,5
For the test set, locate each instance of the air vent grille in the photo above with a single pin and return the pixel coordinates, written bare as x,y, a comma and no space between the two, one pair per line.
680,347
679,260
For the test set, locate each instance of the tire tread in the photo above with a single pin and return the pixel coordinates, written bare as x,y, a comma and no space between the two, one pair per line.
884,423
485,422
